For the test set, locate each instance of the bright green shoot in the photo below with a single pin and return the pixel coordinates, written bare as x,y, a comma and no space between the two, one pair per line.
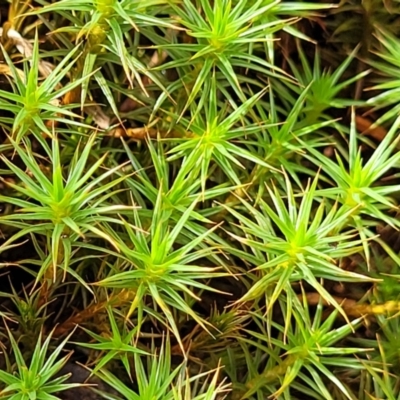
38,379
278,142
308,351
292,242
34,102
213,137
355,186
180,193
389,84
116,346
150,265
157,379
61,209
286,9
106,30
325,86
224,36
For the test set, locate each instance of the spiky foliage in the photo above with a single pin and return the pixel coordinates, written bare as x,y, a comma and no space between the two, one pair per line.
199,200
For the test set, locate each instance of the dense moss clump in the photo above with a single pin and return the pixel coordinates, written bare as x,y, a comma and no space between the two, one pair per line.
199,199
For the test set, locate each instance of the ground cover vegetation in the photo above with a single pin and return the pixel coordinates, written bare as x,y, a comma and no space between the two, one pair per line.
199,199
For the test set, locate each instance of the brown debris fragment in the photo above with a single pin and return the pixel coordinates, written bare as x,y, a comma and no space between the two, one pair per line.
365,126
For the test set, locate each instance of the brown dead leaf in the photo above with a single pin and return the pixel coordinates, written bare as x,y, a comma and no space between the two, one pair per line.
73,96
364,125
102,120
136,133
26,49
352,308
5,70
